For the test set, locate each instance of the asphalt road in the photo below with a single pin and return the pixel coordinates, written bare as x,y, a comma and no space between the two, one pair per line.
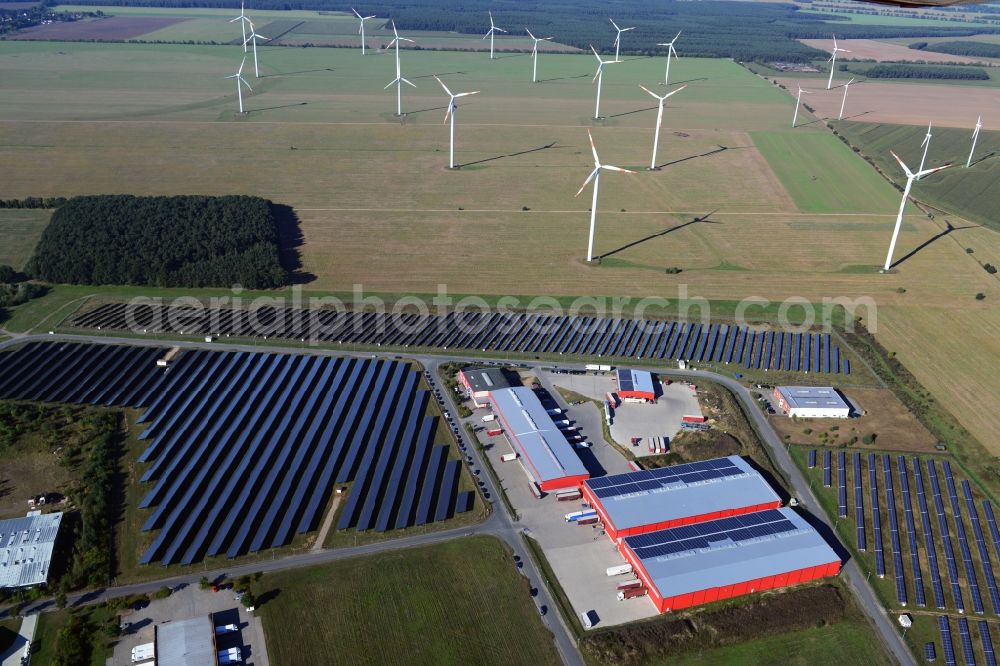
499,524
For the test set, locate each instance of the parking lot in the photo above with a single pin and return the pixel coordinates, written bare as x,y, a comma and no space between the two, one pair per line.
188,602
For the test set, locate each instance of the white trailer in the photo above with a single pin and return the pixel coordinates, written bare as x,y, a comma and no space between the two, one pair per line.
620,570
554,411
508,457
489,417
592,367
605,368
230,656
143,652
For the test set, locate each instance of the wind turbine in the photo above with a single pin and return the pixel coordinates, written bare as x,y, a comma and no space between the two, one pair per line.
399,80
534,55
798,102
659,120
843,102
833,61
618,37
599,77
242,18
595,176
489,33
975,135
361,30
452,109
910,177
239,79
670,51
925,144
254,36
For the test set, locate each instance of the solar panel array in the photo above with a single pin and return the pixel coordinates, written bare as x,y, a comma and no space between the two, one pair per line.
663,477
930,654
719,532
984,551
244,448
859,504
897,555
963,541
949,550
911,532
965,637
489,331
929,547
987,641
826,468
876,517
842,484
812,458
947,646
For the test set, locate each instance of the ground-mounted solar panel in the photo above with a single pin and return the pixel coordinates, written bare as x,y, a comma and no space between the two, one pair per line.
949,550
444,507
842,483
930,546
876,517
431,482
816,352
930,654
984,636
963,540
897,557
984,551
827,482
911,537
965,638
465,501
812,458
947,645
826,352
859,504
835,361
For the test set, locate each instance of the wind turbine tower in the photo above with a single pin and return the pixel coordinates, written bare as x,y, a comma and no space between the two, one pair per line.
599,77
843,102
399,80
670,51
452,108
910,177
798,103
833,61
361,30
595,176
242,18
240,80
925,144
254,37
534,55
489,33
975,135
618,37
659,121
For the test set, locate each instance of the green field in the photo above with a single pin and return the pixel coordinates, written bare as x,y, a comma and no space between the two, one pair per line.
461,602
20,230
820,174
875,19
969,193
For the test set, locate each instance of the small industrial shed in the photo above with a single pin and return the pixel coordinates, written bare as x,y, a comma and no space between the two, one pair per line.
636,385
815,402
186,642
480,381
26,546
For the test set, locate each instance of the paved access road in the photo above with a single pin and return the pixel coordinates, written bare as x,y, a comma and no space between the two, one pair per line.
499,524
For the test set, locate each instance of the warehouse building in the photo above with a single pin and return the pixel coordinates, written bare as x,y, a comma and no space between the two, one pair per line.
636,385
812,402
720,559
480,381
658,499
188,642
543,451
26,546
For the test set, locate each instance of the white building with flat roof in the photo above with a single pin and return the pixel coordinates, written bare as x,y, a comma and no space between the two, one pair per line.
26,548
812,402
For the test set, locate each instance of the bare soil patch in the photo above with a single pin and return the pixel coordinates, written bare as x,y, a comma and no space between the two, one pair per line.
111,29
896,429
869,49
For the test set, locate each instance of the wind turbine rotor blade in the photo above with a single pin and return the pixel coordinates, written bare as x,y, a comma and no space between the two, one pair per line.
627,29
675,38
408,82
390,45
242,64
600,68
674,92
246,84
447,113
649,91
595,53
355,12
614,168
390,84
547,39
404,39
614,24
587,182
927,172
442,85
501,30
466,94
906,169
365,18
593,148
529,34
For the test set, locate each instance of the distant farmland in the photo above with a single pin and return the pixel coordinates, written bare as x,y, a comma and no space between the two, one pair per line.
110,29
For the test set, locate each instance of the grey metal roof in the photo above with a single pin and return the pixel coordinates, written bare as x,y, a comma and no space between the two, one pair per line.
186,642
26,548
729,551
812,397
486,379
635,380
679,491
542,446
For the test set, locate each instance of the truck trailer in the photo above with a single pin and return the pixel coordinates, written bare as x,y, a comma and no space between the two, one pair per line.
619,570
508,457
631,593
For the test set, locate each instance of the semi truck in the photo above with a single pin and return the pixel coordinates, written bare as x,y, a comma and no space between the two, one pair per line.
631,593
489,417
574,516
619,570
569,495
494,432
629,584
693,418
230,656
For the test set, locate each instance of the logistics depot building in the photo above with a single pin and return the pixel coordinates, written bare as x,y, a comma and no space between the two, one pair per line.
636,385
815,402
706,531
542,448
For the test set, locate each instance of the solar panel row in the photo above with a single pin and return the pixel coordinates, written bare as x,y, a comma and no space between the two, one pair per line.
663,477
929,545
827,481
949,550
987,641
963,541
911,532
859,504
876,517
488,331
965,638
984,551
704,535
897,555
812,458
947,646
842,484
244,448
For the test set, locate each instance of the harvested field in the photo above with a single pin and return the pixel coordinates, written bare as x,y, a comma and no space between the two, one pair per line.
896,428
110,29
869,49
946,105
20,230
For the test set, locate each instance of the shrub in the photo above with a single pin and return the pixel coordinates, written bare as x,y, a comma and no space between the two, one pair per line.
980,296
869,438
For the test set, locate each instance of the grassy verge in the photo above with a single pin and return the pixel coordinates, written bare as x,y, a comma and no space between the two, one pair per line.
49,644
459,602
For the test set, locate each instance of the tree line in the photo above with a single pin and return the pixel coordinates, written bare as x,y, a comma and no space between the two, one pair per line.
180,241
907,71
974,49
